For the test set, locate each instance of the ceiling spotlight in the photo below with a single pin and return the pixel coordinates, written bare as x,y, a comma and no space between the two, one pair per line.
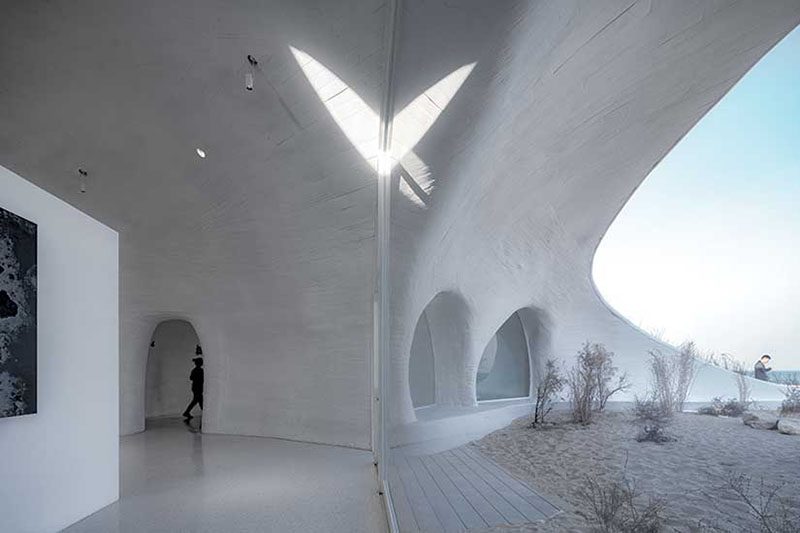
200,152
248,76
83,175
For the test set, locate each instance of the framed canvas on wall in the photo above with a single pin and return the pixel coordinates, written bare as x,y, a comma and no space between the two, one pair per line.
17,315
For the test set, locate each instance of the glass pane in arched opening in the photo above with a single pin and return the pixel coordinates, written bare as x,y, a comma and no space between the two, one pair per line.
504,370
421,371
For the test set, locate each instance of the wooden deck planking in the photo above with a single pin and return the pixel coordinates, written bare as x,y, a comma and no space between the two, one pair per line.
460,490
449,520
402,507
520,504
538,501
509,512
424,515
488,513
468,515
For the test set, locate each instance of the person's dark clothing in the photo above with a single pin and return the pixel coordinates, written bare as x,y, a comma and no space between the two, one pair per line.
196,378
761,371
197,399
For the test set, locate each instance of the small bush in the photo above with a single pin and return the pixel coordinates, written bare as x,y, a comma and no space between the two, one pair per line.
617,508
743,387
582,389
550,385
653,418
771,512
791,403
592,381
720,407
684,370
672,376
608,382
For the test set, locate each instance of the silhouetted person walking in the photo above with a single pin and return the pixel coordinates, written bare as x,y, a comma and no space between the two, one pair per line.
196,377
762,369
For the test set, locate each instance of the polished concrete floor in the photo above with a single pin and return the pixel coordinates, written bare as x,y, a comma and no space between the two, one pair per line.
175,479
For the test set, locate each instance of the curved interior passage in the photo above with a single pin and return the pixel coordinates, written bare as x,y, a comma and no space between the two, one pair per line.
421,367
169,363
504,370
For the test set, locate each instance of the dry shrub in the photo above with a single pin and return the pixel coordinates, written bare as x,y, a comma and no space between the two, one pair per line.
617,508
684,368
720,407
791,403
582,389
608,382
592,381
550,385
743,387
771,512
673,375
723,360
653,418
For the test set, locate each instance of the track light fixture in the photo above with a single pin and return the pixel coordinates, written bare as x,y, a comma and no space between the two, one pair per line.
248,76
83,175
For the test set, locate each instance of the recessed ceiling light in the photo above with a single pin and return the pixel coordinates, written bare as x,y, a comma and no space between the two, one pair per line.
200,152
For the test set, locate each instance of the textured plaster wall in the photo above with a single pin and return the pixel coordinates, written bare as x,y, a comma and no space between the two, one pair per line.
569,107
266,245
168,366
62,463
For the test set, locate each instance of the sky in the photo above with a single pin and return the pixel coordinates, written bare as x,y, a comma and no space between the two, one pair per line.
708,248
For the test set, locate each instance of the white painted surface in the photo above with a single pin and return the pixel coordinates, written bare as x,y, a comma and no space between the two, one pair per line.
61,464
205,483
265,245
569,107
168,367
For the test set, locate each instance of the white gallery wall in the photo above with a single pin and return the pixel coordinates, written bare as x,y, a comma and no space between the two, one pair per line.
61,464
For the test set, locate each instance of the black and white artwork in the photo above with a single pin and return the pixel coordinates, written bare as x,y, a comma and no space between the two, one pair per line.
17,315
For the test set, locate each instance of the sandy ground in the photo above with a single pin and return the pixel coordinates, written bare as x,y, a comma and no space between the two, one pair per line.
687,474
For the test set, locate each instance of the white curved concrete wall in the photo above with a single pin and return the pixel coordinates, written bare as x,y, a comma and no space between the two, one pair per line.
266,245
168,366
568,108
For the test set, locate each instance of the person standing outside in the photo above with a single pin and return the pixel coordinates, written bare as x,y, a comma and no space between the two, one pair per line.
197,378
762,368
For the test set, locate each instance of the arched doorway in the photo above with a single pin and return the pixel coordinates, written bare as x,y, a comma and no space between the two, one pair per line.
504,370
173,346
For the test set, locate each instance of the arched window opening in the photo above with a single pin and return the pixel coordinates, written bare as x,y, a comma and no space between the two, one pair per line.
504,369
421,366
